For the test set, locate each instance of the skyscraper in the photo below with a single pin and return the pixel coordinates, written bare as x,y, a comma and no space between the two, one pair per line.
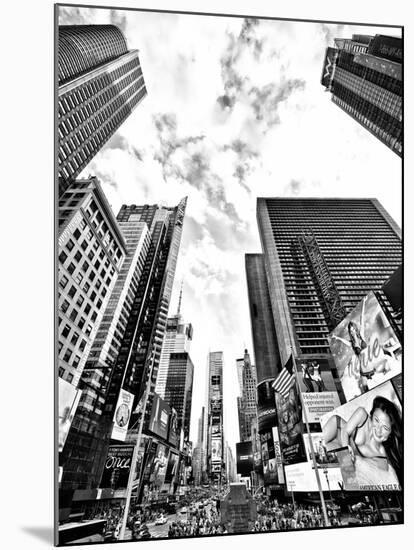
364,75
128,351
100,82
177,339
321,257
265,345
92,250
179,388
246,403
215,436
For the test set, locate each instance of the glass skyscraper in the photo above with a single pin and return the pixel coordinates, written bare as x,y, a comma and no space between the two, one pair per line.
100,82
321,257
364,75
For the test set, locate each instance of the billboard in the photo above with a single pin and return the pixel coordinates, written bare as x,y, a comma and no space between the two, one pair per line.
302,478
160,416
68,403
159,465
365,348
216,450
173,434
172,467
387,47
393,289
318,388
366,434
117,467
244,454
266,411
289,413
122,415
278,455
328,67
323,457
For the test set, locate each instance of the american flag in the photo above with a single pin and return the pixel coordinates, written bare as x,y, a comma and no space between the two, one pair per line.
285,380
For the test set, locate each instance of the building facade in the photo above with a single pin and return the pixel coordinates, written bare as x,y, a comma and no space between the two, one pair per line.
177,339
100,83
127,352
321,257
247,402
265,344
215,434
364,75
91,250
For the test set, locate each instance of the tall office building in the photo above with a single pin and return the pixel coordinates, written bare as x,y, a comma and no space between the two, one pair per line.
266,350
198,453
247,402
215,435
177,339
100,82
92,250
179,388
364,75
321,257
127,352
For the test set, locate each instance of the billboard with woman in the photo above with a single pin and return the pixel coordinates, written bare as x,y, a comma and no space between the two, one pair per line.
366,434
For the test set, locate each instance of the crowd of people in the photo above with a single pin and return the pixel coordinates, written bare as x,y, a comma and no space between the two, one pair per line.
199,522
287,516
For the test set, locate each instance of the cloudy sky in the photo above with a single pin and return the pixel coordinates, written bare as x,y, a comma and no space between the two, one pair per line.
235,110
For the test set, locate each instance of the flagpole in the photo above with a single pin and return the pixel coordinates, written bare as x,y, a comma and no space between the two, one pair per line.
291,347
315,465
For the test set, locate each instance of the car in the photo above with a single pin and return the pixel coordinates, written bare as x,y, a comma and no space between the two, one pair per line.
161,520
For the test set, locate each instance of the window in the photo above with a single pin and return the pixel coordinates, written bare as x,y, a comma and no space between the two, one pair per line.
73,315
61,372
89,329
69,377
77,234
81,322
76,361
99,303
82,345
65,331
84,245
86,286
78,256
64,306
85,266
93,295
63,281
92,275
80,300
74,338
94,316
79,278
67,355
70,244
72,291
87,308
71,268
63,257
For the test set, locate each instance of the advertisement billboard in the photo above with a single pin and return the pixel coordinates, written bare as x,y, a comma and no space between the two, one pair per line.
268,458
117,467
67,403
318,388
172,467
160,416
302,478
278,456
366,434
266,410
122,415
216,450
289,414
173,435
387,47
328,67
244,454
365,348
159,465
323,457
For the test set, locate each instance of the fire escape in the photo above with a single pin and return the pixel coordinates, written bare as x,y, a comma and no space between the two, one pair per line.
322,278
